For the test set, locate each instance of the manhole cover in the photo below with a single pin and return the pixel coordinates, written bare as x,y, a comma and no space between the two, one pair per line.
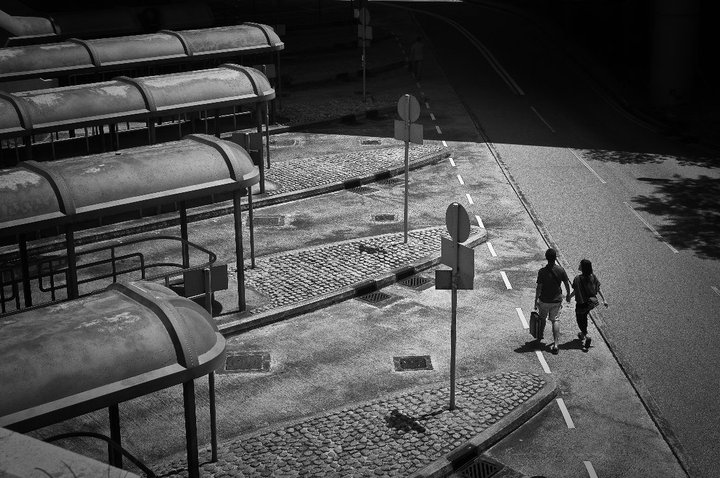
384,217
477,468
376,298
416,282
269,220
363,190
247,362
412,362
370,141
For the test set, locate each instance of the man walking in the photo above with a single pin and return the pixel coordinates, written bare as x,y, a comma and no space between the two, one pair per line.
548,294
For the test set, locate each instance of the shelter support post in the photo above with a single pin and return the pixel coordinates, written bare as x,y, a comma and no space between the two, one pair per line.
25,270
261,164
252,229
115,454
184,235
267,132
213,417
278,83
237,195
71,278
191,441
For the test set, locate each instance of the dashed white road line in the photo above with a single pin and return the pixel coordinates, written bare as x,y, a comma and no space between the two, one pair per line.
584,163
480,223
452,161
462,183
522,318
590,469
432,116
565,413
444,144
469,198
427,105
543,362
437,128
492,249
652,229
419,88
505,279
715,289
542,119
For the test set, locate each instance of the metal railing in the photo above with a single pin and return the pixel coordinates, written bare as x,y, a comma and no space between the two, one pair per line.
51,273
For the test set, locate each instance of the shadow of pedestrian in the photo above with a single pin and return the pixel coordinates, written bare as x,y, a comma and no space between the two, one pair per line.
531,346
573,344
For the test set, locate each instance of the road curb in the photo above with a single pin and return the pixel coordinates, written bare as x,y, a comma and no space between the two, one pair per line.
490,436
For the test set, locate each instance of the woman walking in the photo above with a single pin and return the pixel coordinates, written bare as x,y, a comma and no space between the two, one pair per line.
586,288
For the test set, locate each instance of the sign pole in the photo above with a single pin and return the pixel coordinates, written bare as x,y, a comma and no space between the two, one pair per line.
407,164
453,320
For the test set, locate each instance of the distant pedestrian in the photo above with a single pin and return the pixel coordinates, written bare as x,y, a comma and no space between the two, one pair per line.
416,57
586,288
548,294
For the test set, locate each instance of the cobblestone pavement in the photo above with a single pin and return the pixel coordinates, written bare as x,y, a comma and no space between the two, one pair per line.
300,275
335,168
390,436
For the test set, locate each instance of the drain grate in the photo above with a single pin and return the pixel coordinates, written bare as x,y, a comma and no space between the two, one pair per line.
247,362
269,220
363,190
416,282
392,181
384,217
370,141
412,362
478,468
376,298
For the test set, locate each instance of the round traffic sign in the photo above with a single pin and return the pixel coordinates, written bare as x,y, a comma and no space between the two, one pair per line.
408,108
457,222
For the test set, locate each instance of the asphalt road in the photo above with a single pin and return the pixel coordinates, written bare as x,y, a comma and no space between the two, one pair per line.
604,186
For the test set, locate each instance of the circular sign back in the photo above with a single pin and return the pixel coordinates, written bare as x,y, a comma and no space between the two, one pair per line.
408,108
458,222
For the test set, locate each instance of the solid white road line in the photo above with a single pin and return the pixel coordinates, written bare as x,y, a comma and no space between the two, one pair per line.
715,289
505,279
590,469
469,198
462,183
444,144
566,414
492,249
432,116
480,223
522,318
542,119
584,163
452,161
438,129
544,363
652,229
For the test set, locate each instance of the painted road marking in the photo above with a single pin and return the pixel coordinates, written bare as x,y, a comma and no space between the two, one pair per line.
419,88
542,119
444,144
544,363
480,223
590,469
505,279
462,183
438,129
432,116
584,163
652,229
566,414
469,198
522,318
452,162
427,105
492,250
715,289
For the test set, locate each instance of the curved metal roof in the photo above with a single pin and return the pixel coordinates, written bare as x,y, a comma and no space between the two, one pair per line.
83,56
71,358
36,195
130,99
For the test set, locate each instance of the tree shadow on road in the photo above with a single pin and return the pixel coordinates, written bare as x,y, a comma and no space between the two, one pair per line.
691,207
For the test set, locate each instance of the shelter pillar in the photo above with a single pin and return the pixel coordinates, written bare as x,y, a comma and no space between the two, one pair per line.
237,195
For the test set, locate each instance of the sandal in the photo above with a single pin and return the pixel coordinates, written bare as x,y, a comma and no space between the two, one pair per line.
553,350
